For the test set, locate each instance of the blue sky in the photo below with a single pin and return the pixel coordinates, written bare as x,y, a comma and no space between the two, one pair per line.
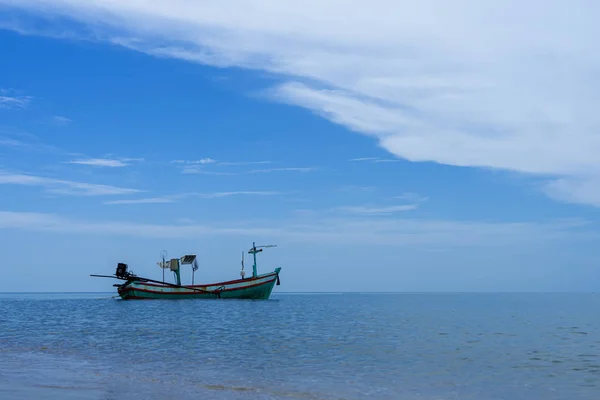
382,157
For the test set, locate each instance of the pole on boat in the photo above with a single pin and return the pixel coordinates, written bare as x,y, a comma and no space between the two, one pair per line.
194,268
174,264
257,249
242,272
163,255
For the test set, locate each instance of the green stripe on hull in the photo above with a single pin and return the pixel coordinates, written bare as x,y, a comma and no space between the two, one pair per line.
259,292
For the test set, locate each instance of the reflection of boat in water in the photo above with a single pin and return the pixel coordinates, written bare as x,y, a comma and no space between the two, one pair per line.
257,287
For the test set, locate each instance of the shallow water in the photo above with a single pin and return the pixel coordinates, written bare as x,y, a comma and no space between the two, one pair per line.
342,346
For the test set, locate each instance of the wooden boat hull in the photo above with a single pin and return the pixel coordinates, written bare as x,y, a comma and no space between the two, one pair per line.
258,288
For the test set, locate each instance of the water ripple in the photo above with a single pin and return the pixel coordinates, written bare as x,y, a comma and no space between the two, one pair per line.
484,347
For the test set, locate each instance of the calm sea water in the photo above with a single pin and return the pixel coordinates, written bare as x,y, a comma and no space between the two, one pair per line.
348,346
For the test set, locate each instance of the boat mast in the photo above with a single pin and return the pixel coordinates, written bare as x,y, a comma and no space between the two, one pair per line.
242,272
255,250
174,264
163,254
194,269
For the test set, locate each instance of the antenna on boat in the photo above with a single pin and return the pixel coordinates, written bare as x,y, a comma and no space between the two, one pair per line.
194,268
242,272
257,249
163,255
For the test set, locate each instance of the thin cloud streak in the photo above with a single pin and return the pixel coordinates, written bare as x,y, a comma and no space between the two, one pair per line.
99,162
375,160
7,102
206,161
62,121
8,142
377,210
413,197
177,197
24,141
364,159
357,188
104,162
196,170
334,231
65,187
149,200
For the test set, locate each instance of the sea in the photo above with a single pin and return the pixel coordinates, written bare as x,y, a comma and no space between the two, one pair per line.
302,346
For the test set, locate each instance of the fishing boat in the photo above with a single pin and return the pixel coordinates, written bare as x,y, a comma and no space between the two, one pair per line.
257,287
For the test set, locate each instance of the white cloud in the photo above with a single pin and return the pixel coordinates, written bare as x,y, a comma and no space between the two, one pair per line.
23,141
204,161
357,188
61,120
9,101
235,193
59,186
377,210
199,166
8,142
13,102
334,231
100,162
292,169
175,198
495,84
376,159
54,223
148,200
413,197
209,160
244,162
201,171
364,159
584,190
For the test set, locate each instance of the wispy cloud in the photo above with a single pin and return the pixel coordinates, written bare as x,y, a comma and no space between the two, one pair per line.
364,159
377,210
292,169
23,141
14,102
55,223
65,187
427,86
202,161
412,197
8,101
147,200
99,162
208,160
375,160
357,188
580,190
62,121
197,170
244,162
104,162
235,193
339,231
414,200
8,142
200,166
387,160
177,197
